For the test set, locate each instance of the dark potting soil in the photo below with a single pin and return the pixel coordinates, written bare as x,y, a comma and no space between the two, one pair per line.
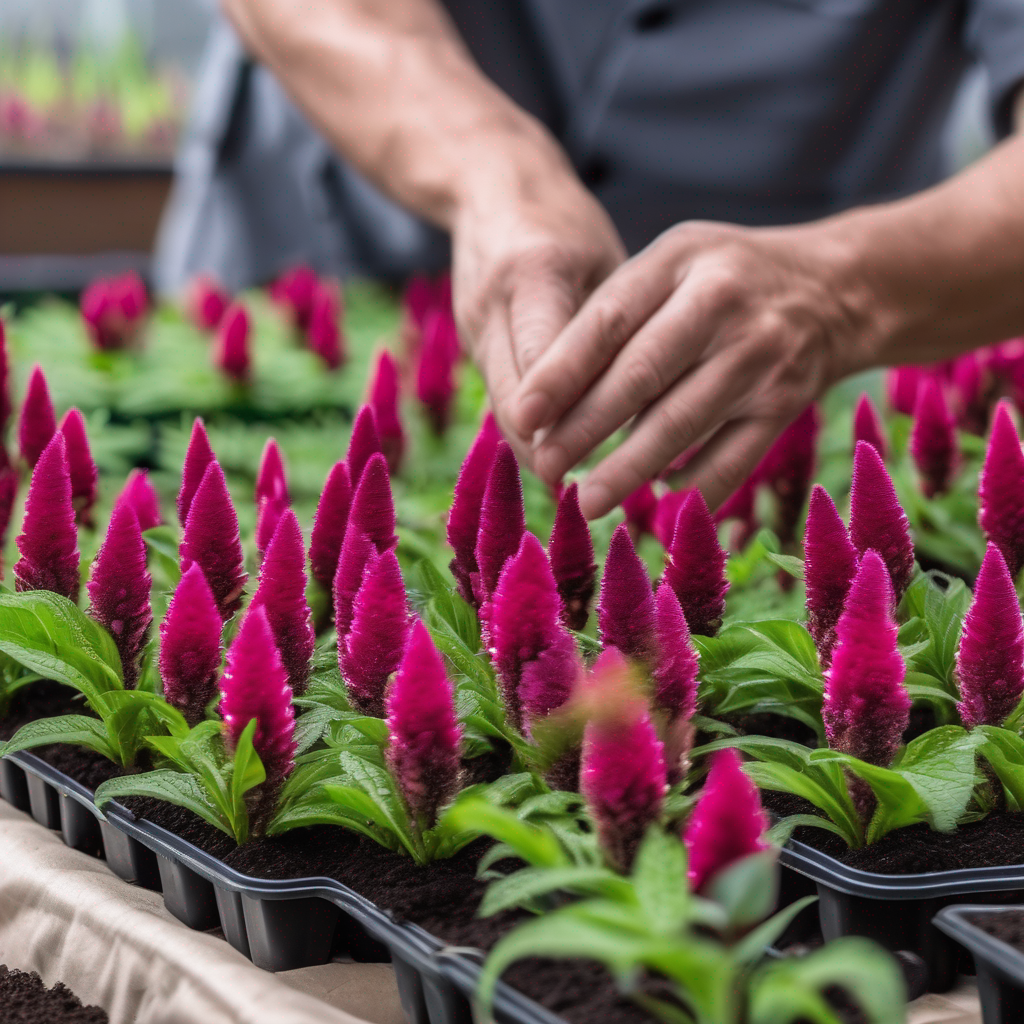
43,699
1007,926
25,1000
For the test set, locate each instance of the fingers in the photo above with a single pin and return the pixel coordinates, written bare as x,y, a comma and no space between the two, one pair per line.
538,313
498,366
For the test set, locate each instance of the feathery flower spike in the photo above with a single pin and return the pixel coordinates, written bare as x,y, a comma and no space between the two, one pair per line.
49,538
293,291
329,524
695,568
877,519
990,659
83,470
867,708
1001,490
38,422
788,469
383,399
206,302
119,587
571,550
502,521
974,384
363,444
324,332
198,457
282,591
641,507
435,370
727,824
211,539
902,385
141,495
6,406
740,505
625,613
190,648
464,517
375,643
272,496
674,675
424,741
8,492
867,425
231,346
933,442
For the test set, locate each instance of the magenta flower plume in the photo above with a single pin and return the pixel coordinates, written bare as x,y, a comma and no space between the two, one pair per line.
728,822
1001,490
329,524
99,314
6,406
625,614
131,298
435,370
423,747
788,469
867,425
502,521
198,457
371,526
255,685
990,659
83,470
571,550
740,506
272,496
190,646
622,773
324,331
830,564
464,517
877,519
8,492
211,539
119,587
383,399
524,624
293,291
231,347
666,515
141,495
641,507
933,442
49,539
695,568
206,302
374,646
675,663
419,298
867,707
902,385
282,591
974,384
363,444
38,422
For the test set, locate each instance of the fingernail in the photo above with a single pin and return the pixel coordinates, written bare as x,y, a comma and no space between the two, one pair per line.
534,410
595,499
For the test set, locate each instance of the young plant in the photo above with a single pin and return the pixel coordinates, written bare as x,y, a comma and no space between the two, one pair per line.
571,551
198,457
788,469
640,508
502,523
363,444
231,347
141,495
1001,490
933,442
272,496
674,679
383,399
206,302
625,613
80,463
435,370
329,525
38,422
867,426
293,291
324,331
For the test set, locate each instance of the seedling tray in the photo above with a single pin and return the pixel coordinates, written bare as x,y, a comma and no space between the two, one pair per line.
897,910
1000,967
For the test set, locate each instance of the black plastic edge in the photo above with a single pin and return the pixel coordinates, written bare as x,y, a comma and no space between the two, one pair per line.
1003,957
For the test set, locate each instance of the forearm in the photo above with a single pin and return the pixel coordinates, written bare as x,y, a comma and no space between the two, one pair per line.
392,87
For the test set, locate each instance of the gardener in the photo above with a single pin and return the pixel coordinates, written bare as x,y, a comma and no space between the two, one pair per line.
616,121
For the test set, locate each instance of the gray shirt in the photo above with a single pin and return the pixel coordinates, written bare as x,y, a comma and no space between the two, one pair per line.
750,111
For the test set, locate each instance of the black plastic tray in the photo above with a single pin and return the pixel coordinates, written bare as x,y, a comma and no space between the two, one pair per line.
1000,967
279,925
897,910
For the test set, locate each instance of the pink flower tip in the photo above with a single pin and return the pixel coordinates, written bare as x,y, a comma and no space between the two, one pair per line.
38,422
1001,490
625,613
206,302
141,495
293,291
272,496
383,399
198,457
84,474
232,346
435,370
788,469
502,521
867,425
641,507
571,551
363,444
329,524
324,332
933,441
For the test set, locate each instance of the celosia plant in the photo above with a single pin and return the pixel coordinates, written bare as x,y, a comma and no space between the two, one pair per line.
84,474
383,399
293,291
113,310
788,469
272,498
695,568
502,523
1001,490
206,302
6,405
324,330
329,525
198,457
8,492
933,442
363,444
38,422
625,613
141,495
641,507
231,352
867,425
435,370
674,675
571,551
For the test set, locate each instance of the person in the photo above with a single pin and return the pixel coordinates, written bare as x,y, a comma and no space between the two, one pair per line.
772,166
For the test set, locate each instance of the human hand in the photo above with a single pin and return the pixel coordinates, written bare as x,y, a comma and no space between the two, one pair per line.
714,334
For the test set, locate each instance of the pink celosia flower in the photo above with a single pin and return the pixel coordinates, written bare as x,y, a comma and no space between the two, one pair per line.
727,824
231,347
867,425
371,526
830,564
282,591
973,383
206,302
877,519
375,643
190,646
788,469
272,496
293,292
548,681
464,518
667,513
1001,490
131,297
38,422
423,747
329,524
502,521
641,507
740,505
198,457
435,370
112,309
902,385
867,707
419,298
8,492
324,331
49,539
695,568
363,444
933,442
141,495
255,685
119,587
675,662
211,539
990,659
383,399
83,470
571,550
5,382
625,614
622,773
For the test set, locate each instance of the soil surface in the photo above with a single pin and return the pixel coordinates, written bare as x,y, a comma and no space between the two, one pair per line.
1007,926
25,1000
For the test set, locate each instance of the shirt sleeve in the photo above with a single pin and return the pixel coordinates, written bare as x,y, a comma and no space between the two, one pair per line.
995,33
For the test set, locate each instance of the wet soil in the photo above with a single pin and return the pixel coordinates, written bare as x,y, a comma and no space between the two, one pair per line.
25,1000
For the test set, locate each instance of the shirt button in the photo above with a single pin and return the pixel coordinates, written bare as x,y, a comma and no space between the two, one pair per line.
654,17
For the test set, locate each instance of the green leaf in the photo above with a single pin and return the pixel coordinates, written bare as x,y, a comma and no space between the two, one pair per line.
247,773
660,883
787,563
532,844
77,729
751,947
748,888
521,887
1004,751
781,832
163,542
178,788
